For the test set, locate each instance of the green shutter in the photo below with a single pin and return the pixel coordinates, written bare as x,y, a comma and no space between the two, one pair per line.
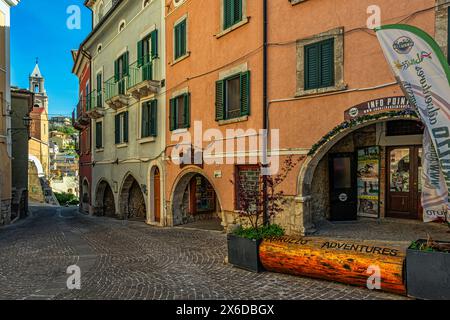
327,63
183,38
237,11
177,41
245,93
125,64
125,126
144,122
187,111
117,128
312,67
116,70
99,82
98,135
172,115
227,13
220,89
140,52
153,118
154,43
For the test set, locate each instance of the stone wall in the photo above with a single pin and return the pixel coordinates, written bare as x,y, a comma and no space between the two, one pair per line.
5,212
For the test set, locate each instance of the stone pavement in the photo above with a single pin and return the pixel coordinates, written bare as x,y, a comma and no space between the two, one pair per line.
130,260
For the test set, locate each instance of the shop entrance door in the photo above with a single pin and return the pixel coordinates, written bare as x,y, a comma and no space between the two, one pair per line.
404,187
343,194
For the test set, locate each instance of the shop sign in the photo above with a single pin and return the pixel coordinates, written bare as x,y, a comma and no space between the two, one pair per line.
377,106
368,182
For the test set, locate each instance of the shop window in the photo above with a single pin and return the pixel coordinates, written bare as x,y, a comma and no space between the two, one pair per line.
403,128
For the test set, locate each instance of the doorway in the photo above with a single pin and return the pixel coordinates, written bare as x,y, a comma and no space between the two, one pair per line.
343,195
404,182
157,195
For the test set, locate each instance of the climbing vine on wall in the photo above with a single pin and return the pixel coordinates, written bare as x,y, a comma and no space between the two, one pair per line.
355,122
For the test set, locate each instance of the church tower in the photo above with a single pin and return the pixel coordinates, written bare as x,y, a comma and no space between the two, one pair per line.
37,85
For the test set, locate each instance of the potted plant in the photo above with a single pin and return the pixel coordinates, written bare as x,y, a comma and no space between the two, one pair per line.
253,227
428,270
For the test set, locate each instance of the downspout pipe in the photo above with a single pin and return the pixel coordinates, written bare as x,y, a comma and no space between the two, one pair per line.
265,114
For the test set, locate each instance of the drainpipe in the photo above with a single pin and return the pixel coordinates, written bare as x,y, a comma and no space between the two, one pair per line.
265,115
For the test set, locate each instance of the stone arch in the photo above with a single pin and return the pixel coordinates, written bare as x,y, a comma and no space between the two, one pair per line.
309,166
131,200
180,197
85,195
104,200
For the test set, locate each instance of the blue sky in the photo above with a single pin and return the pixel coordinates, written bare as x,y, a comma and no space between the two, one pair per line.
39,29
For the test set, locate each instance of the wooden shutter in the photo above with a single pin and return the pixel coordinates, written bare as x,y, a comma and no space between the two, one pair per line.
187,111
312,66
125,64
125,126
227,13
172,115
144,122
116,70
245,93
99,83
140,52
117,128
183,37
237,11
177,41
154,44
153,118
98,135
220,90
327,63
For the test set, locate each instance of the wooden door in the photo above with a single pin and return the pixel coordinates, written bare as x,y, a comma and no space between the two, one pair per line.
157,195
403,182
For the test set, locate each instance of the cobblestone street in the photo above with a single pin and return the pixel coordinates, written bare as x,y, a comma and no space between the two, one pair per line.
130,260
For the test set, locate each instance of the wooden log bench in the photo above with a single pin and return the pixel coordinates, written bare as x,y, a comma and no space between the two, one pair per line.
346,261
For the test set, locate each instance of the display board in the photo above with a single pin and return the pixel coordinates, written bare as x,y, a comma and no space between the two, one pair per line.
368,182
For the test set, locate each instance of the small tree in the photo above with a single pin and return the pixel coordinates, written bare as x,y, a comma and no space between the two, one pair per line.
250,195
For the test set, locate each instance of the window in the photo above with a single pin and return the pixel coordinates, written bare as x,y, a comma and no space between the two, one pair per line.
179,112
180,45
403,128
147,50
121,128
99,135
99,97
87,96
319,65
121,71
122,25
233,97
247,191
149,119
232,13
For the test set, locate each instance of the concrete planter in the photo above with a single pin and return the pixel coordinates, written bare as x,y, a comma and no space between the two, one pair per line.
428,274
244,253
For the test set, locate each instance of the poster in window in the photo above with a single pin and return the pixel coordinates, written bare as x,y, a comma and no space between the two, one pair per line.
368,182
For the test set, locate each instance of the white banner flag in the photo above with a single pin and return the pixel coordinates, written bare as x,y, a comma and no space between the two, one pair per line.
423,72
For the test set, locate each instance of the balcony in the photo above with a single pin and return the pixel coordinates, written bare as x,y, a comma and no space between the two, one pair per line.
116,93
94,105
81,118
141,83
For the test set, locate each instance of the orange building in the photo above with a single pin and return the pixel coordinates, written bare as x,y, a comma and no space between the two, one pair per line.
331,96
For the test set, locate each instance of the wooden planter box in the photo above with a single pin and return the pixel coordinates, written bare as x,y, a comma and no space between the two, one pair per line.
244,253
428,274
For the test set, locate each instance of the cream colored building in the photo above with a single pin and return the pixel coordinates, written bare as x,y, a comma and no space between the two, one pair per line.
127,108
5,107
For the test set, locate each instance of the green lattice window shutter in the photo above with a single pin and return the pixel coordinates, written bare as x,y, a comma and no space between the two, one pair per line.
237,11
312,66
183,38
154,43
327,63
227,13
125,64
220,90
99,82
245,93
153,118
140,52
172,115
98,135
145,123
116,70
187,111
125,126
117,129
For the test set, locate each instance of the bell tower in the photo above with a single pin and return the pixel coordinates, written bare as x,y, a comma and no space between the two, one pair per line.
37,85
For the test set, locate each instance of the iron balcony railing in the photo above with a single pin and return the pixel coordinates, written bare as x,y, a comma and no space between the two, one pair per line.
94,100
115,88
141,70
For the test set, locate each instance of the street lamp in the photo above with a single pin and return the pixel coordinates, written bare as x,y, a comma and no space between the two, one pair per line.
27,123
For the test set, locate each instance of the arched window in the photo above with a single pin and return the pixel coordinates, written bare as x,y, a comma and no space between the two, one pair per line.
122,25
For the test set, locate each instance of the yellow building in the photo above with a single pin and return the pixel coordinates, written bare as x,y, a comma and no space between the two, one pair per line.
5,107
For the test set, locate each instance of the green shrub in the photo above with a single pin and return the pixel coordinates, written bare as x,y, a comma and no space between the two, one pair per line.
263,232
67,198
